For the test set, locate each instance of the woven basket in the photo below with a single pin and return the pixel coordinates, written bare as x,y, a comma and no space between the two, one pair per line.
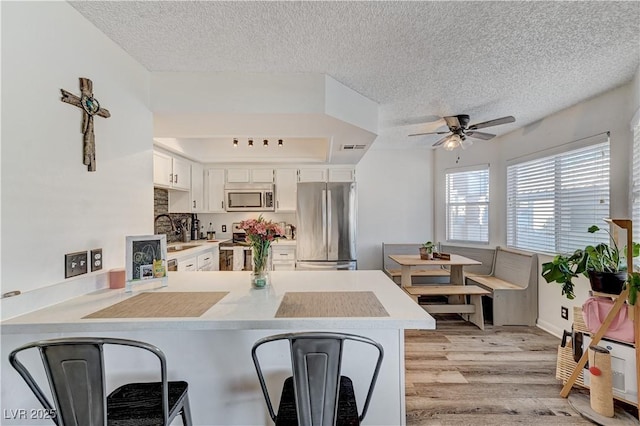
565,365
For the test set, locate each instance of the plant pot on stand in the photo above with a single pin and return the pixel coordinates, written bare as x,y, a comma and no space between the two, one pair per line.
607,282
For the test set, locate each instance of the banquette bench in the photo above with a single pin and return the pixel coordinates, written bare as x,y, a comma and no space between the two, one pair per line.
513,285
509,277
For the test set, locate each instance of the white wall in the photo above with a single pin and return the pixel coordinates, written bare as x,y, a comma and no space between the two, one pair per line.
395,196
51,204
611,111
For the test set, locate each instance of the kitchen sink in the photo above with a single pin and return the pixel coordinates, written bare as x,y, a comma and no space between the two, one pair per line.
180,247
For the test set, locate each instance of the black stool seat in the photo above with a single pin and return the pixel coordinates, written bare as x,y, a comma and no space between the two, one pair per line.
347,408
140,404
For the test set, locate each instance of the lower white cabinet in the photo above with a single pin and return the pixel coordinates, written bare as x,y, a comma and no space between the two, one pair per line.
283,257
188,264
209,261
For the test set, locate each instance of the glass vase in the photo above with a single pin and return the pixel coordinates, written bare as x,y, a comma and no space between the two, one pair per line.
261,273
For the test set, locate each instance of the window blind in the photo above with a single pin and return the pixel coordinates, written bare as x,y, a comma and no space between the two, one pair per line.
553,200
467,205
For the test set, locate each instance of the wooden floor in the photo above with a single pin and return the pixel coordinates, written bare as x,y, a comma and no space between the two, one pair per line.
461,375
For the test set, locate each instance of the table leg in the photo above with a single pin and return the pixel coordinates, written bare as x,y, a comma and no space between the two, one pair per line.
456,278
405,278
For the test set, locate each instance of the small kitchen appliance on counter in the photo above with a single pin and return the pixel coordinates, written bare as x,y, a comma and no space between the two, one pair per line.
195,227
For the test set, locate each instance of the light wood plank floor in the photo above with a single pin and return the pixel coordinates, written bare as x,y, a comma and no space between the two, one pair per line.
461,375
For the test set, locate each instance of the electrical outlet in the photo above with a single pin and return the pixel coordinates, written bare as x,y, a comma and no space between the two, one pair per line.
564,312
96,259
224,228
75,264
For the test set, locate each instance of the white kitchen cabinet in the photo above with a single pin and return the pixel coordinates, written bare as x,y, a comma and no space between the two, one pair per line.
312,175
238,175
215,190
283,257
249,175
342,175
206,261
262,175
286,190
162,170
188,264
171,172
197,188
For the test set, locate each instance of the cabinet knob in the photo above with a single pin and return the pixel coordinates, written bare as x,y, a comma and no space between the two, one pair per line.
170,177
194,204
176,175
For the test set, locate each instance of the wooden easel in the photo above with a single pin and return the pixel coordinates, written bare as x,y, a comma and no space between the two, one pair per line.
627,225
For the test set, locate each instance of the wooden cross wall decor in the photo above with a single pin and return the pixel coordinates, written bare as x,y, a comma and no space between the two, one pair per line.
90,107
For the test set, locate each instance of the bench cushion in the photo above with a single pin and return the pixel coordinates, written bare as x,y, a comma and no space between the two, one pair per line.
493,283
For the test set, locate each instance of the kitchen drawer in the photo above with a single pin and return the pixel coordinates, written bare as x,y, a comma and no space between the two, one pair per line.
283,266
205,259
284,253
189,264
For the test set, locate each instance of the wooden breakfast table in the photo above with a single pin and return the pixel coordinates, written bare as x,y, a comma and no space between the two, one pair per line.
455,263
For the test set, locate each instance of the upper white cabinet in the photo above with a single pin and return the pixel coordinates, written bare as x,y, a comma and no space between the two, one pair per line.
337,174
286,190
238,175
262,175
214,189
171,172
249,175
342,175
312,175
197,188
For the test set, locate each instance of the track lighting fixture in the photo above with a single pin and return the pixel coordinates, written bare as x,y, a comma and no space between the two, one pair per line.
265,142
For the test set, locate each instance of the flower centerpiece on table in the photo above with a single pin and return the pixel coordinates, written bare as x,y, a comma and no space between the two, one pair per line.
260,234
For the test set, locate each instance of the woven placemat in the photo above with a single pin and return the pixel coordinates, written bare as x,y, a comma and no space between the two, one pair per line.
162,305
330,304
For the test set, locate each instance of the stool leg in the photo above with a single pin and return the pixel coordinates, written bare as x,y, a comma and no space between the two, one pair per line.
478,316
186,412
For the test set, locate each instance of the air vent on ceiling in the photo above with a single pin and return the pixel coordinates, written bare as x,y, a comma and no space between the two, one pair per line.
352,147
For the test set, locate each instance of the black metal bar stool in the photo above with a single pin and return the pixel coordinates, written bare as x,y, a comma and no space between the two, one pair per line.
317,394
75,370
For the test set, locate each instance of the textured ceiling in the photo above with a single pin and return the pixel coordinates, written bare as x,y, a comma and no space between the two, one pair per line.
418,60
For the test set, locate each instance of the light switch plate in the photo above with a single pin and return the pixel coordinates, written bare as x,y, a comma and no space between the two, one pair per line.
96,259
75,264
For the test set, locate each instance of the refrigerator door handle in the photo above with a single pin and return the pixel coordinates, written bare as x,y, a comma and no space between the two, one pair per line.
324,219
329,227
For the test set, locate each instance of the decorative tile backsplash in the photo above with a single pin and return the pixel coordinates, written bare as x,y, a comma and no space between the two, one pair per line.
163,225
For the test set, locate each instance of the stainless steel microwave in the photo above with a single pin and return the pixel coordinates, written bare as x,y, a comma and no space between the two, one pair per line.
250,198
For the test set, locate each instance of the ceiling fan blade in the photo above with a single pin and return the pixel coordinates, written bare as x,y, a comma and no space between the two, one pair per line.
496,122
452,122
441,141
480,135
430,133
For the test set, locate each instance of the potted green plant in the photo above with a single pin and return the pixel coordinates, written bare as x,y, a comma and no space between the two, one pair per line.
426,250
601,263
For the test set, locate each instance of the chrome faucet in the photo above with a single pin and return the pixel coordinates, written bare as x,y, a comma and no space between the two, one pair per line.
174,228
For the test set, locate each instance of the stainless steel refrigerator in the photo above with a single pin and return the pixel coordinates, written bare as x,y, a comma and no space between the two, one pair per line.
326,226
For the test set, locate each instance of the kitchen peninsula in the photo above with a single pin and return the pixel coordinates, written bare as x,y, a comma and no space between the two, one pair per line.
212,351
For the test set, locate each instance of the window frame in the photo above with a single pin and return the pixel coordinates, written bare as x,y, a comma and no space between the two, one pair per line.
555,155
480,167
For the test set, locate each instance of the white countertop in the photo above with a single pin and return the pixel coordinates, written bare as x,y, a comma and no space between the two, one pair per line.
243,308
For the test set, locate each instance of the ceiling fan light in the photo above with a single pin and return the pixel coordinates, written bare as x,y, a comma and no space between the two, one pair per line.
452,143
465,143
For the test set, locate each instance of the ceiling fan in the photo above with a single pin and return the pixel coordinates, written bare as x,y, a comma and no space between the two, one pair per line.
459,130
